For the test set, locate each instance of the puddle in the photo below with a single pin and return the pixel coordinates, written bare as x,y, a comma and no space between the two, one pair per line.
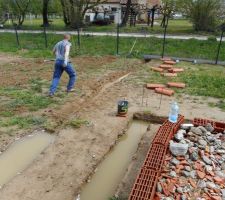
110,172
20,154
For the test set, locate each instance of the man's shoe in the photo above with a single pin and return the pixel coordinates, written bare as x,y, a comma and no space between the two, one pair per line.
50,95
71,90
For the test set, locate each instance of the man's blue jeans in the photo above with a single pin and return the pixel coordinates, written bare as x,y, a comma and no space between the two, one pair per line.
59,69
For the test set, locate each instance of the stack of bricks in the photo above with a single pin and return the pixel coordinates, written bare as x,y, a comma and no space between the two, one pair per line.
145,184
167,69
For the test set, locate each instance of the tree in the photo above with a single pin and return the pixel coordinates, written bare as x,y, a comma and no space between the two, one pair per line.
19,9
127,12
204,14
74,11
167,9
45,12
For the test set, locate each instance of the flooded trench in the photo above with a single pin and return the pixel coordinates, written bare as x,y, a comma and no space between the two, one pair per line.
110,172
21,153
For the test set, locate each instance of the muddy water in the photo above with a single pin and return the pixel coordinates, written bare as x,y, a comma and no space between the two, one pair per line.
20,154
110,172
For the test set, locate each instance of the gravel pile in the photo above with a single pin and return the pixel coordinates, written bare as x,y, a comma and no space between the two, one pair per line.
195,166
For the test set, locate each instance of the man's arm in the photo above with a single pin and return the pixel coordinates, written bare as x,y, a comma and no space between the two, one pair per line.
67,53
54,50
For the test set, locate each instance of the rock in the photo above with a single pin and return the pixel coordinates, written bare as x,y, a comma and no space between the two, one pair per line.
173,174
178,136
206,160
190,134
223,166
200,174
209,127
159,188
211,149
223,193
183,142
193,174
183,197
186,126
202,129
208,133
221,174
196,131
210,185
210,138
194,156
183,132
220,151
178,149
174,161
187,168
185,173
208,168
201,184
202,142
218,142
180,190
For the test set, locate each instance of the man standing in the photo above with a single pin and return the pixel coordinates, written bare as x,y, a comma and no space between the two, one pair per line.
61,51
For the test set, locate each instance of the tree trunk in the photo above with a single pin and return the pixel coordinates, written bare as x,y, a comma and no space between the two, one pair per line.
45,13
66,18
153,17
125,18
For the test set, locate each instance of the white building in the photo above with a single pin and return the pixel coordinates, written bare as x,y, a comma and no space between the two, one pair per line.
115,8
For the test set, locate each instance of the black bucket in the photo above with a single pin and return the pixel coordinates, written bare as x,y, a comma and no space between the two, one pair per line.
122,107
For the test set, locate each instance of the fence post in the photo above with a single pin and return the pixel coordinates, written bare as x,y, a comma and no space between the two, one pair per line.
17,37
117,39
164,40
45,35
78,36
219,46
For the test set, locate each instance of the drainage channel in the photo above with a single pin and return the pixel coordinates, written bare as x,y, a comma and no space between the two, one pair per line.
20,154
109,173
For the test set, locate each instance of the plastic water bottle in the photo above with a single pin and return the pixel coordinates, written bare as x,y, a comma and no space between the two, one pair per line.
174,109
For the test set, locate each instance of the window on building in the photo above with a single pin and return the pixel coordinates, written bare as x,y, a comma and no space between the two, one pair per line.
114,9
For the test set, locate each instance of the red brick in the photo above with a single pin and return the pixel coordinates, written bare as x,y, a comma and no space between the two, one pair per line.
155,85
164,91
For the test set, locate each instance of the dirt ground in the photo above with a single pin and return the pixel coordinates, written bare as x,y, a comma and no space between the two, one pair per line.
62,169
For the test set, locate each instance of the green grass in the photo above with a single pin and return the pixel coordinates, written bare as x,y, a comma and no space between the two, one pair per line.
23,122
77,122
32,45
200,80
24,98
176,26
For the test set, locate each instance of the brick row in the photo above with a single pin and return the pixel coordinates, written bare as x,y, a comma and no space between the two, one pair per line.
218,126
145,185
155,157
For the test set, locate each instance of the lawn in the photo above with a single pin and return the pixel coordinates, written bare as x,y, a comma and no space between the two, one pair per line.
32,45
176,26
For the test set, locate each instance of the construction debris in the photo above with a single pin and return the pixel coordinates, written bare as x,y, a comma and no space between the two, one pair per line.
195,166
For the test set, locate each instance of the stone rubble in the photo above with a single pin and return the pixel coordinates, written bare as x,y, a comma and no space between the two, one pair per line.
194,166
